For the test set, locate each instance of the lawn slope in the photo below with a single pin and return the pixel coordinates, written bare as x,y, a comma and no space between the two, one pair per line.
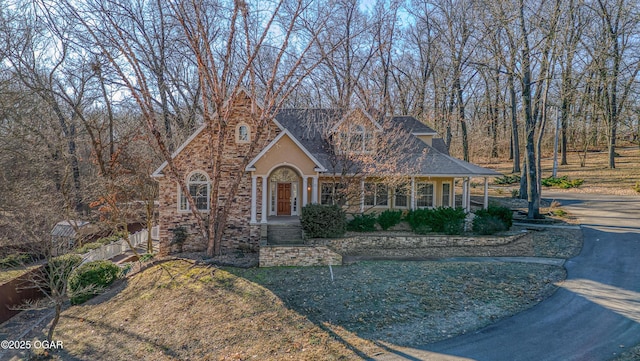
181,311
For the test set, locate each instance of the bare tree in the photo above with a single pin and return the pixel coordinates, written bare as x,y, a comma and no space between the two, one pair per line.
226,41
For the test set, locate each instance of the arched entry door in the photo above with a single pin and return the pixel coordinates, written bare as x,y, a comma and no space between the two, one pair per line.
284,183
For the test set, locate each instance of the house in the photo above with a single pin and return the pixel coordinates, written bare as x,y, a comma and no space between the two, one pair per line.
310,156
67,234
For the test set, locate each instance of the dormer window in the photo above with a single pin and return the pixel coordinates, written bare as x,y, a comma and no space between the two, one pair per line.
356,140
243,133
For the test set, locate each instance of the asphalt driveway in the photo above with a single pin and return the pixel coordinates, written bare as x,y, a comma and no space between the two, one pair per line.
595,315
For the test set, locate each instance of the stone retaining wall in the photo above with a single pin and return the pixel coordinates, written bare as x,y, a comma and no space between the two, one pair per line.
358,244
321,252
301,255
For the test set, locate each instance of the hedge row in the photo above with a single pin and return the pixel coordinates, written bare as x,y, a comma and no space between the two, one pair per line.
327,221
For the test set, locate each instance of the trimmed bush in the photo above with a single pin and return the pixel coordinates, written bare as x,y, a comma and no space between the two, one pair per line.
487,224
439,220
507,180
59,268
89,279
503,213
561,182
112,238
362,223
323,221
422,229
88,247
389,218
16,259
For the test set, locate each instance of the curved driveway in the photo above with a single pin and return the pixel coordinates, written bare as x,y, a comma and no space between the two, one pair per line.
595,315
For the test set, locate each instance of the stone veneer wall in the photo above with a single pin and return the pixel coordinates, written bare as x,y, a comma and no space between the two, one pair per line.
319,252
360,243
239,233
274,256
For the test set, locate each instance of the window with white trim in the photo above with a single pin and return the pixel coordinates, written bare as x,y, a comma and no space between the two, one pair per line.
243,133
333,193
446,194
424,195
356,140
401,197
199,188
376,194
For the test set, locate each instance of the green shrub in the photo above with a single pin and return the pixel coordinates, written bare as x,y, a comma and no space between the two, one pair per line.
561,182
180,235
507,179
389,218
112,238
439,220
15,259
146,257
89,279
59,268
453,226
487,224
362,223
422,229
88,247
503,213
636,187
323,221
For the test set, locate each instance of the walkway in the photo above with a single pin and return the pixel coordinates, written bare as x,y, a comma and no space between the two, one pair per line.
595,315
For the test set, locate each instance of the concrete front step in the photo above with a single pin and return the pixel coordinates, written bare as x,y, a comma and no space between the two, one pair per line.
284,234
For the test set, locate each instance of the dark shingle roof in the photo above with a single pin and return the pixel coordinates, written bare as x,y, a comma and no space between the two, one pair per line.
413,125
311,128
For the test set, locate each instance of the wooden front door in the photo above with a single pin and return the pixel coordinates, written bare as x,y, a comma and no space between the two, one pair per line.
284,199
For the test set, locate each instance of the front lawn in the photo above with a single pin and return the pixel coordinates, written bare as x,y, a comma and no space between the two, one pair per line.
408,303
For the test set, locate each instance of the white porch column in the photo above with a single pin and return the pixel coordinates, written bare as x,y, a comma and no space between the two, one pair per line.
453,193
264,200
305,191
314,190
413,193
465,187
468,194
485,204
362,195
254,195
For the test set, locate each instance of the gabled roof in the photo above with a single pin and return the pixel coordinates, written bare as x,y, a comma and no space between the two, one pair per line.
158,172
311,130
413,125
350,112
319,166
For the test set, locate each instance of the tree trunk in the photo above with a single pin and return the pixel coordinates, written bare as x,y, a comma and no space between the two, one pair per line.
56,318
533,196
515,141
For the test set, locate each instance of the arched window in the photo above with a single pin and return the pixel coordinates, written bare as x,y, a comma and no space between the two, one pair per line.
243,133
199,188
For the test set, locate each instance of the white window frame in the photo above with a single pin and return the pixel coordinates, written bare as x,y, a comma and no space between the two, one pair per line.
183,203
376,194
448,194
419,186
334,186
406,192
357,139
243,138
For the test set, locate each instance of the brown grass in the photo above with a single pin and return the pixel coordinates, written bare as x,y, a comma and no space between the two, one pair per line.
178,310
7,275
598,178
